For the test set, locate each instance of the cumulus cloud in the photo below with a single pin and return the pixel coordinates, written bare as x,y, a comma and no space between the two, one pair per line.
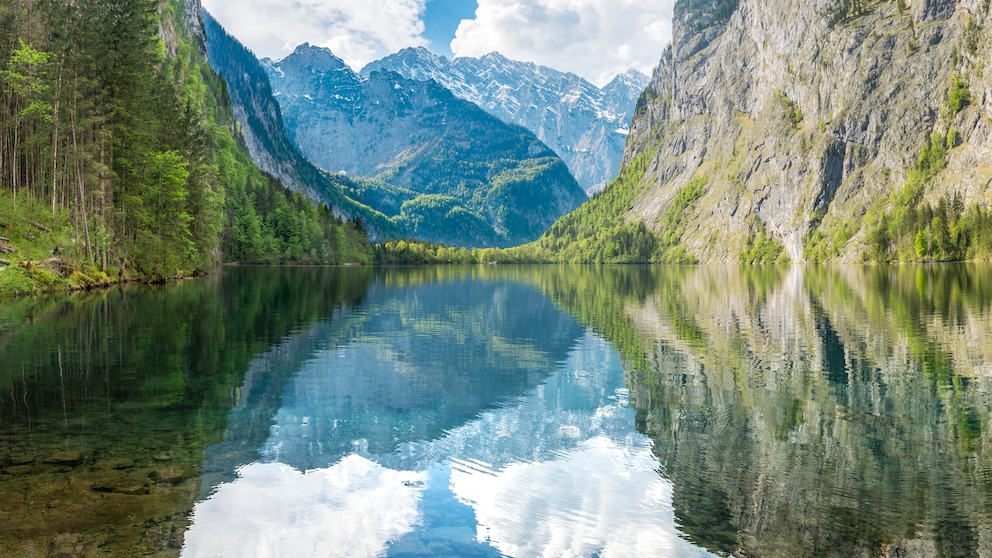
596,39
357,32
603,498
353,509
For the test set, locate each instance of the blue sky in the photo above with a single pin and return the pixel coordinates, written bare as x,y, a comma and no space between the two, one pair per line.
441,19
596,39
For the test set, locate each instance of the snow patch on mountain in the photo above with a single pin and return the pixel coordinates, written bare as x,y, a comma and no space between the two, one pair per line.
578,120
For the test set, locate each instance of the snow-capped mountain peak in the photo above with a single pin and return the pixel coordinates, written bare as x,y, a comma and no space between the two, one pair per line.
572,116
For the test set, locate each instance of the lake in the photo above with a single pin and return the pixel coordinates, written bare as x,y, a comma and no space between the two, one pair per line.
503,411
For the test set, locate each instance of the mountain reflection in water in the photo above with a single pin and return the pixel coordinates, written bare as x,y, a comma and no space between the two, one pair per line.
494,410
466,417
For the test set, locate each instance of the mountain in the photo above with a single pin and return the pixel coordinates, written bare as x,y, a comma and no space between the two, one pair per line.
584,124
260,123
810,131
441,168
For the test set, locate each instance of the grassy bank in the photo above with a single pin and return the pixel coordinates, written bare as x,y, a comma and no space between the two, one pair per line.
39,254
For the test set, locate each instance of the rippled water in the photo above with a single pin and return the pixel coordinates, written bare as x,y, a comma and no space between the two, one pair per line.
480,411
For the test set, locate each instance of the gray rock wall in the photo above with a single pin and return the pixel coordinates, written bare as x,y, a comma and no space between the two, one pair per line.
798,122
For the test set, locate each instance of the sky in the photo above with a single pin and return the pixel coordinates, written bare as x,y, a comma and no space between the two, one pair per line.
596,39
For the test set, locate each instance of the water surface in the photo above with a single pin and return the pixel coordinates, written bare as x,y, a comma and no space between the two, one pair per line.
503,411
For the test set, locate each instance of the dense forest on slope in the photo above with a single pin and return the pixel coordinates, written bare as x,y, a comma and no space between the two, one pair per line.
596,232
111,119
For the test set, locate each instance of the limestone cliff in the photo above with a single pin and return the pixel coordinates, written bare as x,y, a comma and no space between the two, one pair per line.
803,119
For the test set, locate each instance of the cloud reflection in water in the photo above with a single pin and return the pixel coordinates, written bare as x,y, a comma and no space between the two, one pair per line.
351,509
559,470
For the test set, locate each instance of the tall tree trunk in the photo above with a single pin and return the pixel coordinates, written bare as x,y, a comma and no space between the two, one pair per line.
103,205
55,143
80,186
13,161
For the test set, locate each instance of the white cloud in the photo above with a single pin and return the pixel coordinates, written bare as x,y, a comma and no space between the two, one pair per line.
596,39
602,498
352,509
357,32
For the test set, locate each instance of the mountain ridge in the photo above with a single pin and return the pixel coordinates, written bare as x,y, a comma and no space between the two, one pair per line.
440,167
579,121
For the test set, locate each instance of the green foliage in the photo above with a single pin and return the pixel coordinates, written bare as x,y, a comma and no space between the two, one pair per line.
846,10
916,230
134,151
597,232
674,218
763,249
426,214
702,14
933,157
507,187
793,114
270,224
972,36
27,75
415,252
822,247
959,96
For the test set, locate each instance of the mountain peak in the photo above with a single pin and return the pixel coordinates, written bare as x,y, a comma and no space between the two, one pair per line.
418,52
494,57
634,75
318,58
417,63
631,79
584,124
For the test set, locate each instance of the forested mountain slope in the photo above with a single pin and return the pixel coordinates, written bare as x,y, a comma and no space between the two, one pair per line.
440,167
810,131
118,147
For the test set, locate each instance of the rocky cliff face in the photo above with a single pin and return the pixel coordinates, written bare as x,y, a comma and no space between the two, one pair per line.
584,124
444,170
804,118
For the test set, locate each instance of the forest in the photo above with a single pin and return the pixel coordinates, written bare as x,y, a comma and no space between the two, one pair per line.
120,158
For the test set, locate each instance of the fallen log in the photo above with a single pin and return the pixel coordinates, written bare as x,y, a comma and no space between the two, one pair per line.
4,239
7,248
55,264
41,227
4,262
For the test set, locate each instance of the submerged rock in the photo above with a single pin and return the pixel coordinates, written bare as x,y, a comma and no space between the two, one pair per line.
125,486
16,460
170,474
116,464
71,458
68,545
